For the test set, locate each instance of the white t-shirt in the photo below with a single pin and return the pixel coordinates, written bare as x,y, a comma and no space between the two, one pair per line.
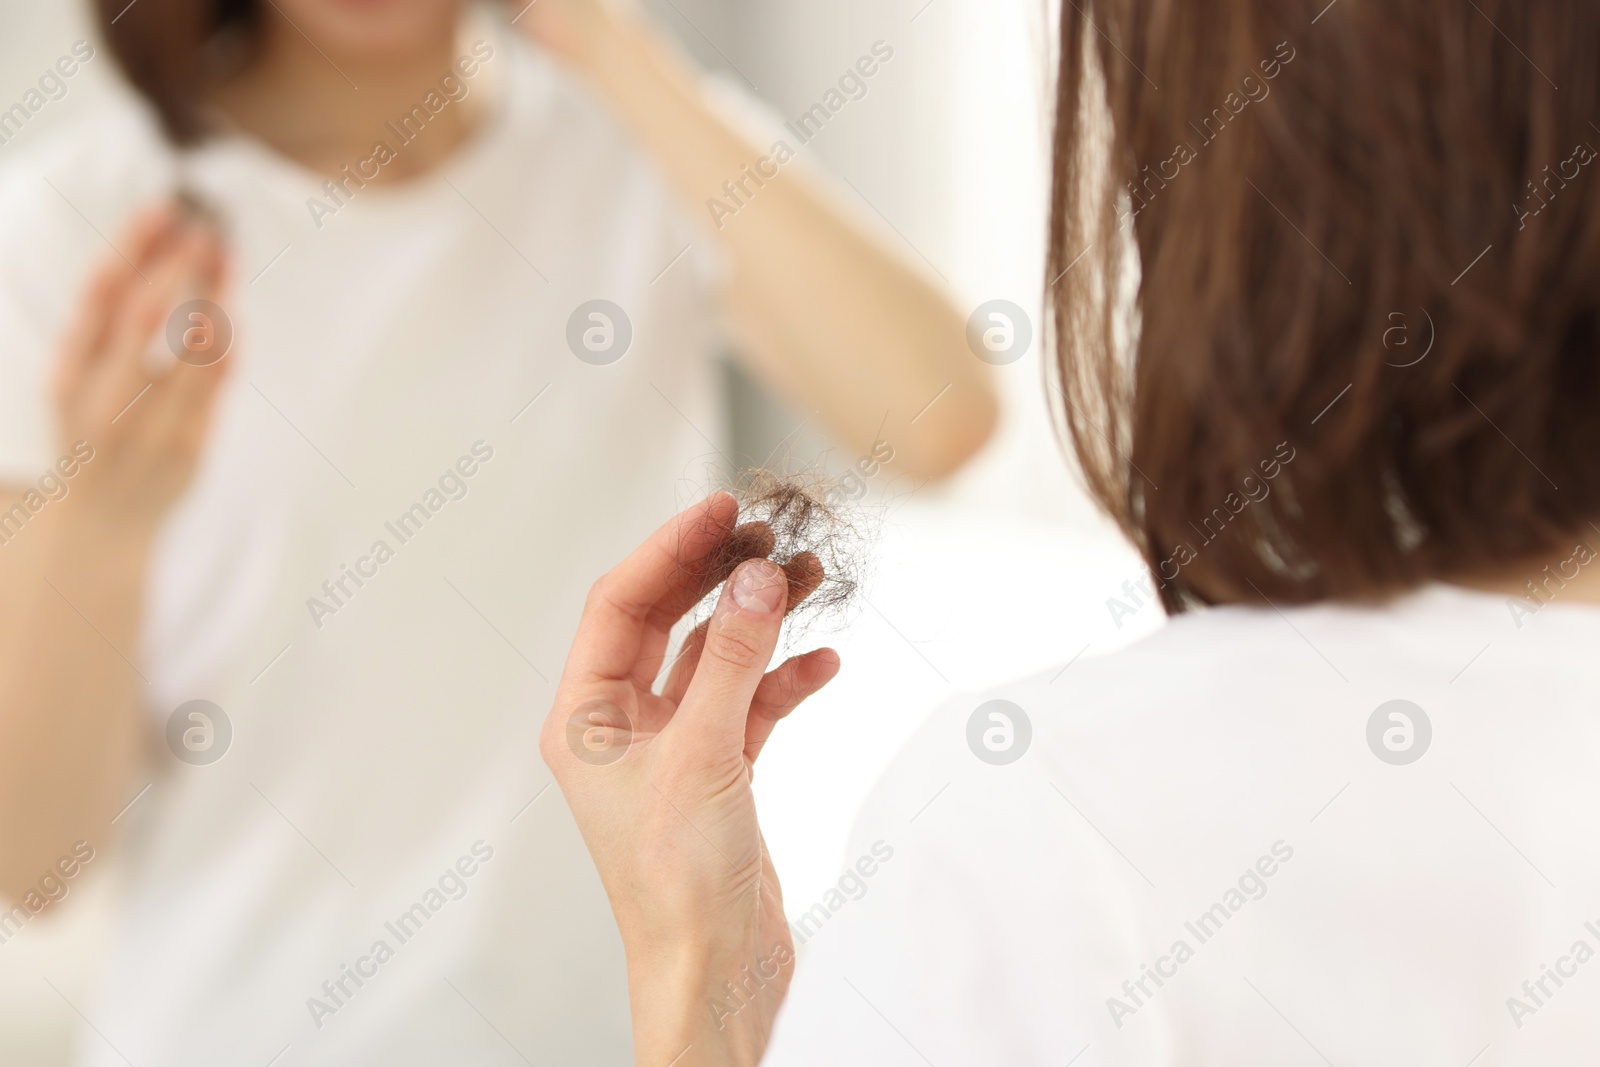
403,375
1201,858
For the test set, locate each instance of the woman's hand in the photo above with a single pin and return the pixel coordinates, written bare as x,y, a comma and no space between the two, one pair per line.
146,427
572,29
660,782
73,729
827,308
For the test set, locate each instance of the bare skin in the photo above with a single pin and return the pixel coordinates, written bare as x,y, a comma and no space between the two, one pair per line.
839,321
324,111
73,574
1582,588
833,316
836,318
672,824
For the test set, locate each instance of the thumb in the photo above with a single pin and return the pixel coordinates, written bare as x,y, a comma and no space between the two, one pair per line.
740,640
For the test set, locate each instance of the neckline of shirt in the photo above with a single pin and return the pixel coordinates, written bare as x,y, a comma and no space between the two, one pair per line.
1443,607
521,84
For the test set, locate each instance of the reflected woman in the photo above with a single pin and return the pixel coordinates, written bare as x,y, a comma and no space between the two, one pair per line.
474,294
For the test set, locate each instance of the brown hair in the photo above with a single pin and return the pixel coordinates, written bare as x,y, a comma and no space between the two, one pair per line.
162,47
1360,350
802,522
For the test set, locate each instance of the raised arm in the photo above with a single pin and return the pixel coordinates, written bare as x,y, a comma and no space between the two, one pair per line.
837,319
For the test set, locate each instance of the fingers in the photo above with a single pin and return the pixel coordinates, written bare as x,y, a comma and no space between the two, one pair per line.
785,689
622,605
110,286
750,541
683,666
188,392
149,231
142,315
804,572
185,399
753,540
739,642
86,338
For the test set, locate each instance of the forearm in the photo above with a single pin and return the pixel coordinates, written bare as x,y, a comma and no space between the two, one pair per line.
708,1000
832,316
68,725
706,976
674,1023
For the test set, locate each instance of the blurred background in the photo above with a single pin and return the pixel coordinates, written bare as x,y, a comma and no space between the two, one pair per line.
947,153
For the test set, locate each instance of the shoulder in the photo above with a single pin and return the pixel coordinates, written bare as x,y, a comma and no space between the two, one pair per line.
1030,884
64,199
1037,826
98,164
1219,708
1026,829
1199,691
591,170
553,109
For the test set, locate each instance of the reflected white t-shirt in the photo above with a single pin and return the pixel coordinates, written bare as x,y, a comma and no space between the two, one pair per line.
1213,851
420,332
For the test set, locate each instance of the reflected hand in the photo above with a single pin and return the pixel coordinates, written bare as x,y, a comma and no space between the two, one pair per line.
146,428
660,782
572,29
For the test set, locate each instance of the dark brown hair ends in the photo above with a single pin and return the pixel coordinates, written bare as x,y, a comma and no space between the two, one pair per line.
805,523
1365,241
163,47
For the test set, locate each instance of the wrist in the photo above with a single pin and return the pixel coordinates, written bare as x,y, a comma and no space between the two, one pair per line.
109,551
620,50
711,1006
664,993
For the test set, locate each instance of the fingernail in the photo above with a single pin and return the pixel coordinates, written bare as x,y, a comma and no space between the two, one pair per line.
758,586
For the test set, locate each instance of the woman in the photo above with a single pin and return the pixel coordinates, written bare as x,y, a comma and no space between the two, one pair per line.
274,608
1338,810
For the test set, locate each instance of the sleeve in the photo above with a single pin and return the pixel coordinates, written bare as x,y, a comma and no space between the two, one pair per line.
61,205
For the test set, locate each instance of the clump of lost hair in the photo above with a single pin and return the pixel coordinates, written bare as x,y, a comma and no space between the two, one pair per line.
804,524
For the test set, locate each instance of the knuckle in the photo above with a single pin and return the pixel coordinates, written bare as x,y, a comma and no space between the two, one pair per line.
598,593
781,692
148,319
553,747
735,647
549,749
